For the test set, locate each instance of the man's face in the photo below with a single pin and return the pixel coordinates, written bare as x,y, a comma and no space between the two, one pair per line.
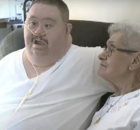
47,19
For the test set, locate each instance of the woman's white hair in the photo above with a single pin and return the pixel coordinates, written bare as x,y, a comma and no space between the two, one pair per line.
131,33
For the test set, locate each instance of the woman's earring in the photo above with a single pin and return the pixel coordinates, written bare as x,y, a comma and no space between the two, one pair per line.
130,68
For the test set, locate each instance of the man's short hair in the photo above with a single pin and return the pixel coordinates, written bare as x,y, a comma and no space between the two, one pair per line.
59,4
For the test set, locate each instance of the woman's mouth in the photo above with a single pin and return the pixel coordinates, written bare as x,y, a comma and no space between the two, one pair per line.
102,65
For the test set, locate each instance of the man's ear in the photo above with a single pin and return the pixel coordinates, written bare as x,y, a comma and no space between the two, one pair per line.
69,28
135,62
69,38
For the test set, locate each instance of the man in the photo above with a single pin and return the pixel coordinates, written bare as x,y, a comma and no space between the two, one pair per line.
50,84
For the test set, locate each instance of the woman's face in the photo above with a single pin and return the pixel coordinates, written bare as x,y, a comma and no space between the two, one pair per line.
116,66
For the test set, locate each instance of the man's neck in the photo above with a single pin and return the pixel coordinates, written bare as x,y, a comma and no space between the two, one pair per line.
31,69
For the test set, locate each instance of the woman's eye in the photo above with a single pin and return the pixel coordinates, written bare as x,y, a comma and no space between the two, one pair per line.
105,48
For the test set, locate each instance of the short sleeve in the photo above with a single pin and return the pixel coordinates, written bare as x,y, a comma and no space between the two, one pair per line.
135,122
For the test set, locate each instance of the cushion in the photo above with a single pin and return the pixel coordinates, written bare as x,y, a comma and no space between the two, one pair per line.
89,33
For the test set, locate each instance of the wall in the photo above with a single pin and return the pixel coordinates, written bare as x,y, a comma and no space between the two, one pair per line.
96,10
4,9
104,10
15,6
8,8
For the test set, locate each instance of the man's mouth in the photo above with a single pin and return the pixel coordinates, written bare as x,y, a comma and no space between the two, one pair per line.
39,42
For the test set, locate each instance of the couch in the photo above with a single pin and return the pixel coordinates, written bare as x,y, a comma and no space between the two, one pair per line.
84,33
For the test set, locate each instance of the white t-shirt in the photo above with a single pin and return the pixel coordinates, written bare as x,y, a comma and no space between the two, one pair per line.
64,98
125,115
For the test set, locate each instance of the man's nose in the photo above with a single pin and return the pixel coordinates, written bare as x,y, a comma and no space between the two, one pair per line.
103,55
40,31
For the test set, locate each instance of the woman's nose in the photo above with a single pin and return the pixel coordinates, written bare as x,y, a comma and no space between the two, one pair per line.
103,55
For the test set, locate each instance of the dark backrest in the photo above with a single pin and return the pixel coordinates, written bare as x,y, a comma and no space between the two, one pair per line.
89,33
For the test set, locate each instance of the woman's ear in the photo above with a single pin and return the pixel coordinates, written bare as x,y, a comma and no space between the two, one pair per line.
135,62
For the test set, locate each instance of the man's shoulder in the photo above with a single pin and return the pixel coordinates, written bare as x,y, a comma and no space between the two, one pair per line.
83,56
11,57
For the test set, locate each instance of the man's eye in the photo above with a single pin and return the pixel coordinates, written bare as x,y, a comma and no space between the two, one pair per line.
32,23
48,25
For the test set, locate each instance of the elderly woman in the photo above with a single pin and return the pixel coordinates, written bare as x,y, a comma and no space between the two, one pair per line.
120,66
